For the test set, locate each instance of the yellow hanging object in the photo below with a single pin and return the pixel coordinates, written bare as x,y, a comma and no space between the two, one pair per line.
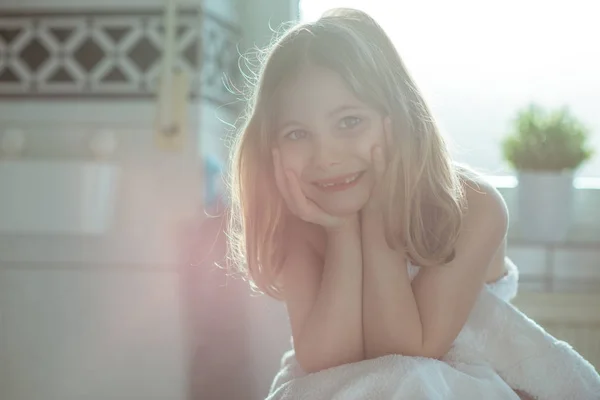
171,125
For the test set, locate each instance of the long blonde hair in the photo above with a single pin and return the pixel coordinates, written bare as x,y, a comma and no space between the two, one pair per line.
425,198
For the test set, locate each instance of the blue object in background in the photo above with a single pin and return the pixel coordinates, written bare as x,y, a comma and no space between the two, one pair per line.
213,169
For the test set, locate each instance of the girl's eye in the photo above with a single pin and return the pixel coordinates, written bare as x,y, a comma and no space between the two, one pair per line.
349,122
296,135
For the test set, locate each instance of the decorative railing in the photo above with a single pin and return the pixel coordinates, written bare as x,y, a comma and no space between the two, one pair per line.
112,53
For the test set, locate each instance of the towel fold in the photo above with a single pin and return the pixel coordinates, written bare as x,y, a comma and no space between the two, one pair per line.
498,351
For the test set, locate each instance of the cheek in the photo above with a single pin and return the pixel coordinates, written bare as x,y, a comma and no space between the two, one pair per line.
366,142
293,158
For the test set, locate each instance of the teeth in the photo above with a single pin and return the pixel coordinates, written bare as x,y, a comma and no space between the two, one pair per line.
344,182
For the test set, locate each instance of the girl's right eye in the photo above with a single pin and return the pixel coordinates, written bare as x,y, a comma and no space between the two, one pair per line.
296,135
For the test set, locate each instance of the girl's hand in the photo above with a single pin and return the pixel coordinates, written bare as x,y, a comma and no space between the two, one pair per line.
372,218
375,200
304,208
379,163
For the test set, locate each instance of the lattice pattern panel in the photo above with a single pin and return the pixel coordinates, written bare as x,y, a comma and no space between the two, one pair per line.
112,53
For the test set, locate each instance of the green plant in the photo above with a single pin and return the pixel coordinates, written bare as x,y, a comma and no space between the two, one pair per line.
544,140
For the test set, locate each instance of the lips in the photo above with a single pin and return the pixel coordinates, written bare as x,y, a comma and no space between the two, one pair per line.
338,183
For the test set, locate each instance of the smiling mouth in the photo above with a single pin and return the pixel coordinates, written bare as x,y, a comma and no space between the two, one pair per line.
339,183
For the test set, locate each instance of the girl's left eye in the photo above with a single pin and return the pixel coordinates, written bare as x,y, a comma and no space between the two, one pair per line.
349,122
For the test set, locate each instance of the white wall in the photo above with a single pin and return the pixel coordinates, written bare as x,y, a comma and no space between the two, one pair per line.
100,317
72,332
117,315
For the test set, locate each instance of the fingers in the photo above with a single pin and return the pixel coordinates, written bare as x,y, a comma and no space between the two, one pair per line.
305,208
296,194
281,179
289,186
378,162
316,215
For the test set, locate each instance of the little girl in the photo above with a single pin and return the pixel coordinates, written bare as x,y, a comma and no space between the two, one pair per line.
340,179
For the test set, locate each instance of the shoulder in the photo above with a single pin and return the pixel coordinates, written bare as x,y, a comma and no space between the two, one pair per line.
485,207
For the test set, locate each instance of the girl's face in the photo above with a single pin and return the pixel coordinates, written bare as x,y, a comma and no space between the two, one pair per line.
326,136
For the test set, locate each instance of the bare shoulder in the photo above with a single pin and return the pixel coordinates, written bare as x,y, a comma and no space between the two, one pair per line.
485,224
485,205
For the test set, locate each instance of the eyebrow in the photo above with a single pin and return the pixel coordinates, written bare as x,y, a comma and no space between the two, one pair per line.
344,107
280,128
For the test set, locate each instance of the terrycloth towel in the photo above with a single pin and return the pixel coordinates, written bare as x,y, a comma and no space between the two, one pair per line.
498,351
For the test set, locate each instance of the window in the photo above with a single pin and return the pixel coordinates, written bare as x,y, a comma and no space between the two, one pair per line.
477,62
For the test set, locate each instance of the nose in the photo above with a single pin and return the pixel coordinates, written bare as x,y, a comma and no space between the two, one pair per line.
326,153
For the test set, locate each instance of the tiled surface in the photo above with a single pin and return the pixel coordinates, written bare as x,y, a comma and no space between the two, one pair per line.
578,264
76,334
112,52
564,270
530,261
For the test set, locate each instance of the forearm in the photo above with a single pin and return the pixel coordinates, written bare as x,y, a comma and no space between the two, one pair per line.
391,322
332,334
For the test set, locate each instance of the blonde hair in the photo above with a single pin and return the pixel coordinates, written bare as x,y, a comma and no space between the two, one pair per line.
425,199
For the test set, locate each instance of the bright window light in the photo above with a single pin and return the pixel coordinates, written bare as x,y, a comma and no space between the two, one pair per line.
478,62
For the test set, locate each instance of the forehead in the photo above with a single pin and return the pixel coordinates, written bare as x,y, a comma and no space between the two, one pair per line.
312,93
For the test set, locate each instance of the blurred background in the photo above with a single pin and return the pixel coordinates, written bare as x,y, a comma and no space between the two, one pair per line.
114,117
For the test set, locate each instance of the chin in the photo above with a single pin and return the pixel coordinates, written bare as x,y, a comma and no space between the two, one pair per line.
343,207
343,202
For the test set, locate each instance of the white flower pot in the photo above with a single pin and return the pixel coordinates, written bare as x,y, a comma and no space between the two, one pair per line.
545,205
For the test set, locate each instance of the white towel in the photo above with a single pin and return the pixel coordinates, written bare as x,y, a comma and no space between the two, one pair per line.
499,349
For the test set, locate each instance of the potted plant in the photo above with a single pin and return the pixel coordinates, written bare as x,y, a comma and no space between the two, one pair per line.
546,147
